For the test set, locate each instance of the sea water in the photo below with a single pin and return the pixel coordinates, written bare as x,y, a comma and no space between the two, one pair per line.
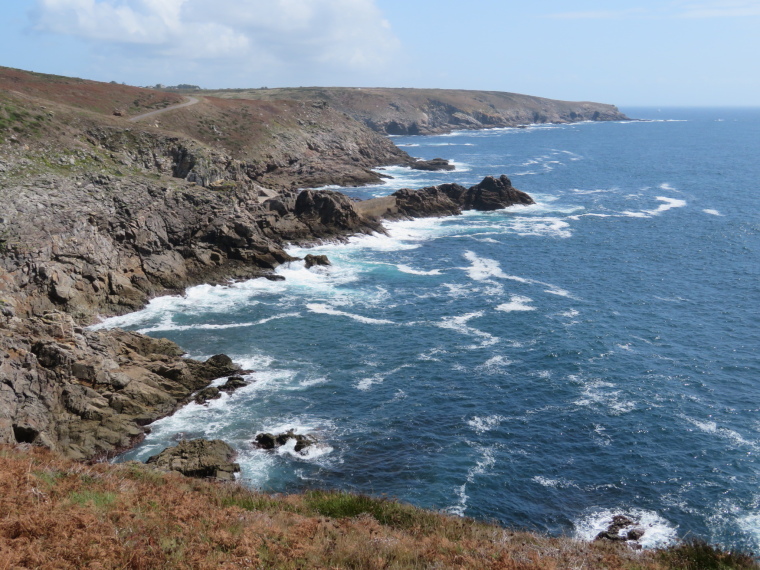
546,366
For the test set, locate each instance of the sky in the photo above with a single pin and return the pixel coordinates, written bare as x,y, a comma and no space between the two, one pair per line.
629,53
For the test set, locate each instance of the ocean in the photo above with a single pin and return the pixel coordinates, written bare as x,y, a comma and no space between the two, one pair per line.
543,366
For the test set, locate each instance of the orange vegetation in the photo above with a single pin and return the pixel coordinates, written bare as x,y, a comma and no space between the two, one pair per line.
60,514
84,94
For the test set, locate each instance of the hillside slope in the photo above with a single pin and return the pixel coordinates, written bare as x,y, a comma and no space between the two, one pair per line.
431,111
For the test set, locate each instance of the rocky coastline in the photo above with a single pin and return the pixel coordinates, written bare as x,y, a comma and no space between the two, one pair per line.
98,216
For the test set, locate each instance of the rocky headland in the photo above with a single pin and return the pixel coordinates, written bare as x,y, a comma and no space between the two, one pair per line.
435,111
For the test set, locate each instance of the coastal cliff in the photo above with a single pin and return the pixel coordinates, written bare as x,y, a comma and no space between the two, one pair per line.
99,216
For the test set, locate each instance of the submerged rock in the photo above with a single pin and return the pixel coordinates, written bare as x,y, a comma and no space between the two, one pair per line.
198,458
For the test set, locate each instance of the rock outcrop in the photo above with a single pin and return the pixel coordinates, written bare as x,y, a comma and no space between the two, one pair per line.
312,260
621,529
273,441
432,164
198,458
446,200
88,394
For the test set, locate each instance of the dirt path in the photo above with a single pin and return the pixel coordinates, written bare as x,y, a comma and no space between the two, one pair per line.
190,101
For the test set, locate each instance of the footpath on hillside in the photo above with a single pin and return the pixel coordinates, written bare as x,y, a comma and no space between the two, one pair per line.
190,101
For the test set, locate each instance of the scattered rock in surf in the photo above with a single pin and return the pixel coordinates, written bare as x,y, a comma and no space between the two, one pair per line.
272,277
273,441
614,530
312,260
233,383
198,458
210,393
432,165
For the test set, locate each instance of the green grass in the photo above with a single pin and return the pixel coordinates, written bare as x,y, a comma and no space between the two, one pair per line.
390,513
97,499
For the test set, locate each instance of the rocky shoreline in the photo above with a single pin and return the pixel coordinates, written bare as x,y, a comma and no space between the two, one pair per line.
96,246
98,215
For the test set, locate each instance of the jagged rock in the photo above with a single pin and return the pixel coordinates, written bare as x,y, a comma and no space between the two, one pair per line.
233,383
494,194
614,531
210,393
432,165
312,260
198,458
272,441
450,199
635,534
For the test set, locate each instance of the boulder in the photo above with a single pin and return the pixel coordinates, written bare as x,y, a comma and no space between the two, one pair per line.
198,458
312,260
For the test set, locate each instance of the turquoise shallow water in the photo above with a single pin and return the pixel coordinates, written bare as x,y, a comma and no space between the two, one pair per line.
544,366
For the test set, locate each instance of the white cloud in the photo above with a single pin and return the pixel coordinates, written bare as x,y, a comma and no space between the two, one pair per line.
338,33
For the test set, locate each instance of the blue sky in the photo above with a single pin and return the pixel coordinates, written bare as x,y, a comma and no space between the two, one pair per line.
670,52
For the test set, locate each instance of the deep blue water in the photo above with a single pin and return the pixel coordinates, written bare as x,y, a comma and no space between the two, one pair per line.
544,366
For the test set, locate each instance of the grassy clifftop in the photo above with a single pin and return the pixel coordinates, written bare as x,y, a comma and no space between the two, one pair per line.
430,111
129,516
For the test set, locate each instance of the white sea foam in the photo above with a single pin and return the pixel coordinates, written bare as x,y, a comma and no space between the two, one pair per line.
327,310
545,226
485,462
712,212
554,483
516,303
459,324
711,427
750,524
483,269
485,424
601,393
570,314
669,204
366,383
167,325
412,271
495,365
658,532
309,453
459,166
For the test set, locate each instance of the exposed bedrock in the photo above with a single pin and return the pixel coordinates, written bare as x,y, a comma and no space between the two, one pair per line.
198,458
75,248
446,200
87,394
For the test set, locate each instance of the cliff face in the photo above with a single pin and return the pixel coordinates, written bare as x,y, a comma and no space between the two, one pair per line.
431,111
